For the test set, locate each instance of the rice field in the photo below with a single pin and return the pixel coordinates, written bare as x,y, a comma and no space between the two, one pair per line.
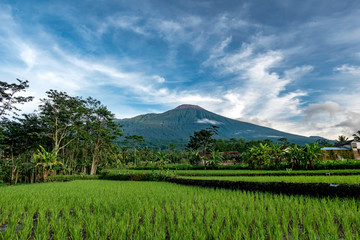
353,179
100,209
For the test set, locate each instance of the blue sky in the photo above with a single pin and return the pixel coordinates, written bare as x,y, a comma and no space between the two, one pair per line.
289,65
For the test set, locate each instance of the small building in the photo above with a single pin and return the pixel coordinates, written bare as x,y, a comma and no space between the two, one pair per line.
342,150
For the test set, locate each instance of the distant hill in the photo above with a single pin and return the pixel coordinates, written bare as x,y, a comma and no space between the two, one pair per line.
176,125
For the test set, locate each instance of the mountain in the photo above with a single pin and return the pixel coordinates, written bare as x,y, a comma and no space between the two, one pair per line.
176,125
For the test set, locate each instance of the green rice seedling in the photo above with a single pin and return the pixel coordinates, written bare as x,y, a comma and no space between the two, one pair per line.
26,226
59,227
42,227
9,230
158,210
309,230
75,230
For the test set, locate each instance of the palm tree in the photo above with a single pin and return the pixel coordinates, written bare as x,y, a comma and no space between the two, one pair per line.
357,136
342,138
162,160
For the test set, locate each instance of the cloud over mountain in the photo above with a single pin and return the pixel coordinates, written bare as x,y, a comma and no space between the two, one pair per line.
293,66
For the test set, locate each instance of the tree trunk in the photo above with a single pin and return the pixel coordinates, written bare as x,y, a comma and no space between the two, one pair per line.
93,165
161,167
45,173
95,157
32,176
38,176
13,171
83,169
16,176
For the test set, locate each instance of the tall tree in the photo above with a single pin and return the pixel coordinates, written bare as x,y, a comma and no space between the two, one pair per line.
203,139
8,98
61,114
101,130
134,141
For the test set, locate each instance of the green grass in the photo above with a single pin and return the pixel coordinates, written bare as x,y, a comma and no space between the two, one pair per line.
102,209
291,179
236,172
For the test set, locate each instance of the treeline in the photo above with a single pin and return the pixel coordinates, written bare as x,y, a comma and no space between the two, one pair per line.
65,135
71,135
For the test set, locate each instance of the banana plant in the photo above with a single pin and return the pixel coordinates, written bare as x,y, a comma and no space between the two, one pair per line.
45,159
277,155
216,158
312,154
195,157
295,156
259,155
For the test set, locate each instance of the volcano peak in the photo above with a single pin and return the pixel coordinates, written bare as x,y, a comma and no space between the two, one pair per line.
184,106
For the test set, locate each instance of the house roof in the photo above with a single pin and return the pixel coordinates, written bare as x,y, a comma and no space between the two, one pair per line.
340,144
333,148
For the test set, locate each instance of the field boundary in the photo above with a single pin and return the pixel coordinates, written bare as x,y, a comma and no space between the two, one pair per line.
286,188
272,174
308,189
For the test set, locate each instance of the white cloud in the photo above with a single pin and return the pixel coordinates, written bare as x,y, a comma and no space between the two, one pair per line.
257,121
261,95
329,108
298,72
226,23
52,67
159,79
257,83
208,121
353,70
28,55
258,93
352,121
130,23
169,27
174,98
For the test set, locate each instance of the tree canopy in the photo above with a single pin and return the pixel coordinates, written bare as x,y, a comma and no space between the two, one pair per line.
79,134
203,139
9,98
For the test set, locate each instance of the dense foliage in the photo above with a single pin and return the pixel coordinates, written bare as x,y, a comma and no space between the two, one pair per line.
66,135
